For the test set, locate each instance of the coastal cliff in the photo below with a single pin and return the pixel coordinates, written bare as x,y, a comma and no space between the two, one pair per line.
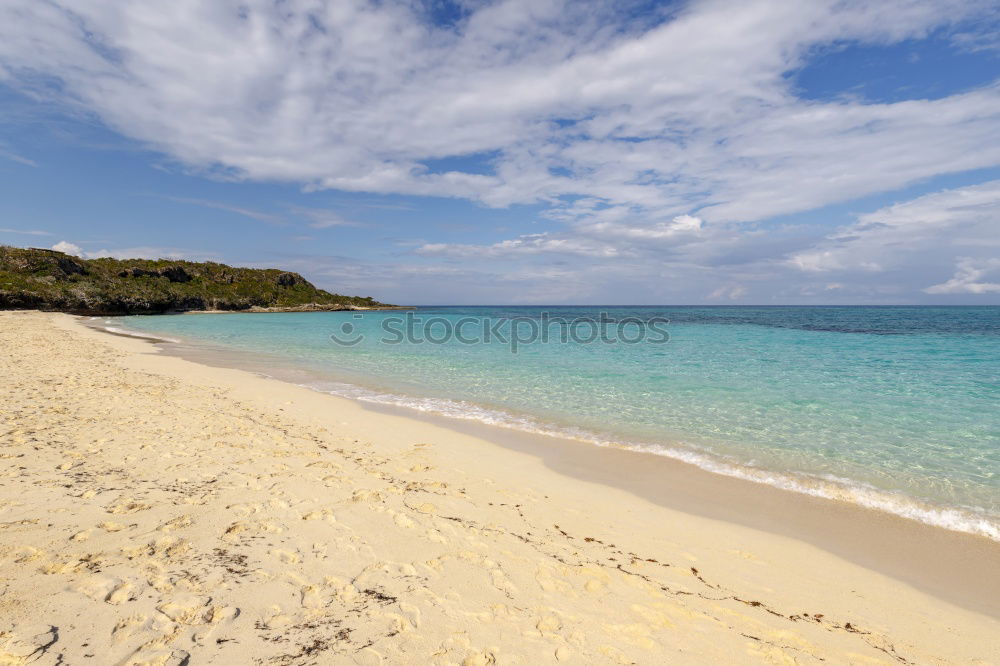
50,280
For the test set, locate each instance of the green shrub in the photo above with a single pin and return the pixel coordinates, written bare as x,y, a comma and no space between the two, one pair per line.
50,280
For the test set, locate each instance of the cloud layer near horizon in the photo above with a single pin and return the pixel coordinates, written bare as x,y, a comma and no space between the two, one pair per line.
664,136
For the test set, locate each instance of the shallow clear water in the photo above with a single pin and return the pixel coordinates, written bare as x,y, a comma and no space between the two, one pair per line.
897,408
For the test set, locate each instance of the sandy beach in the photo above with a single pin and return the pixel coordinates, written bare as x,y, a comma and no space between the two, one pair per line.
159,511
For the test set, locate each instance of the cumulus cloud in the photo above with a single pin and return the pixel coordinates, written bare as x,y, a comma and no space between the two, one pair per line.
143,252
68,248
398,280
888,255
731,292
600,236
567,98
964,219
527,244
150,252
679,226
968,278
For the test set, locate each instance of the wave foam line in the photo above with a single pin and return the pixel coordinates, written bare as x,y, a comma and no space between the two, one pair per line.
135,334
959,520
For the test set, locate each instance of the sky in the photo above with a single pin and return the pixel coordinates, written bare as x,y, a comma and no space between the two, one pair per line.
518,151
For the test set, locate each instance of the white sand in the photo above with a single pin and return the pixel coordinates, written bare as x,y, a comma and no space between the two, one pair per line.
156,511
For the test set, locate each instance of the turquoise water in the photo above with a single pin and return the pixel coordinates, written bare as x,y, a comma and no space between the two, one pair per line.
897,408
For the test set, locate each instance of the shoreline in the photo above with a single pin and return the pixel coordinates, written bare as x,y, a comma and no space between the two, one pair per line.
892,544
954,518
909,551
292,309
283,310
386,538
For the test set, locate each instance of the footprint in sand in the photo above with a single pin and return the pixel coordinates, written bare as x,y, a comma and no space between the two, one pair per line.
480,659
166,657
176,523
127,627
411,614
287,556
368,657
320,514
344,591
403,520
233,531
245,509
109,526
127,505
218,619
27,554
310,597
365,495
548,624
109,590
435,536
277,620
194,610
26,643
325,464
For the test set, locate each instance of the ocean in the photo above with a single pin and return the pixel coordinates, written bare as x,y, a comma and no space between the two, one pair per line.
894,408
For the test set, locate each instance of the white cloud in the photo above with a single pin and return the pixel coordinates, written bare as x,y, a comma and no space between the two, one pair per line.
696,113
68,248
962,220
731,292
678,226
149,252
20,159
608,233
27,232
320,218
317,218
888,255
818,261
527,244
397,281
258,215
968,278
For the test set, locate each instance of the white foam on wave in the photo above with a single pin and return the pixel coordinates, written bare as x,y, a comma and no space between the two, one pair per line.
136,334
957,519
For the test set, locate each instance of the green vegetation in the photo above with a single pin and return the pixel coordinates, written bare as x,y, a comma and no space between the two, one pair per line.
50,280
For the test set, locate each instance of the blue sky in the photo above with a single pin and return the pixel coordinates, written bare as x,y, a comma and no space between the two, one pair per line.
515,151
